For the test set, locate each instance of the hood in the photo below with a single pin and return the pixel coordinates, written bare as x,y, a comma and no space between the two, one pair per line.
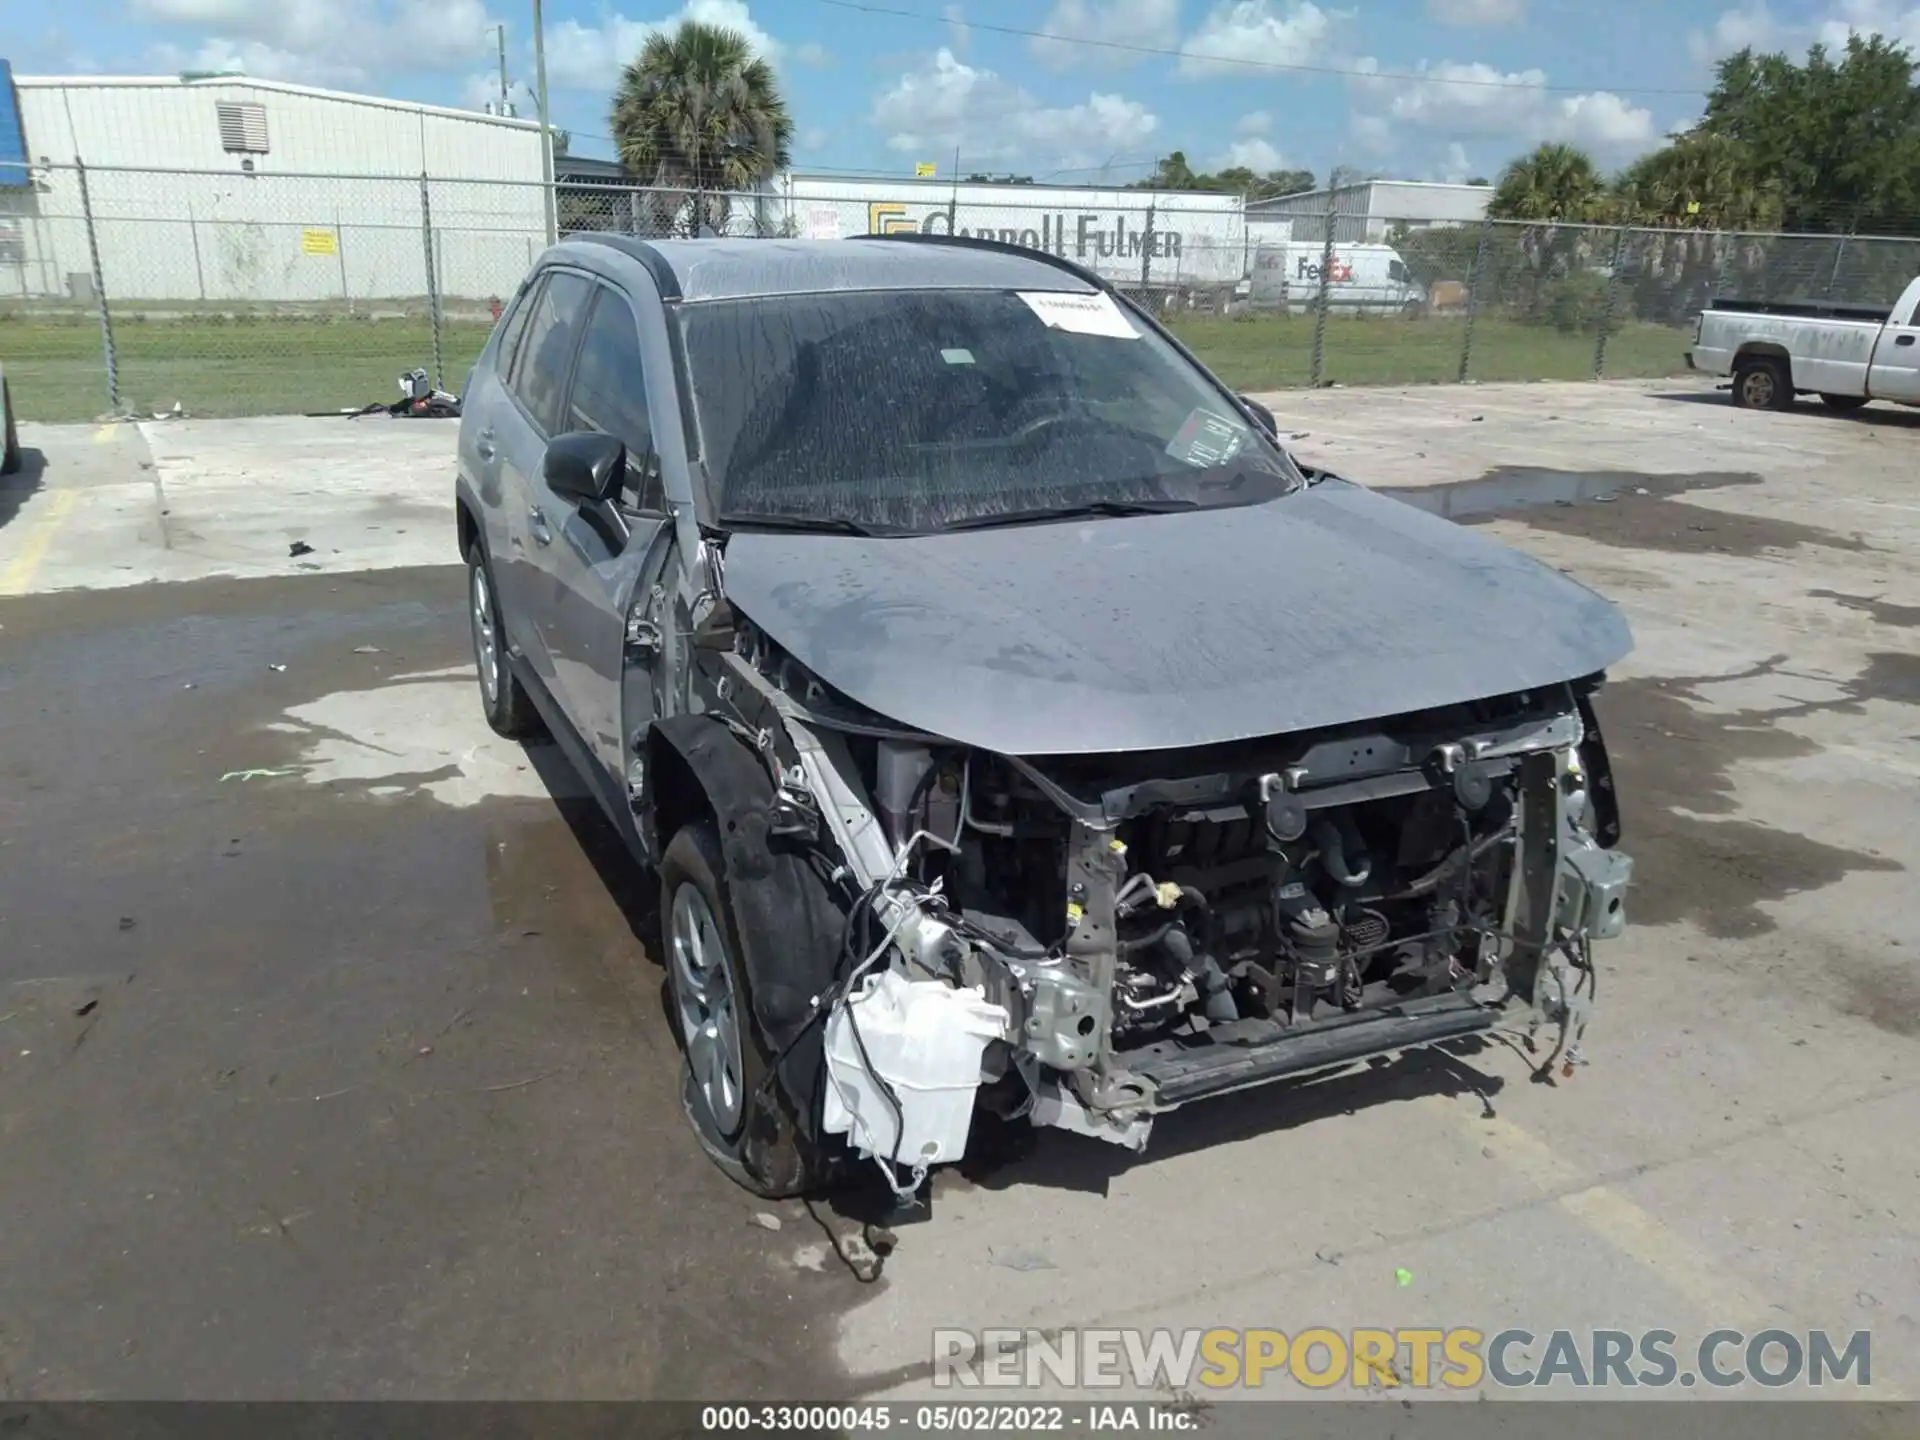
1155,632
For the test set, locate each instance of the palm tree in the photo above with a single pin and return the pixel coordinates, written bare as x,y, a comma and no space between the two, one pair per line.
1699,182
1554,182
697,111
1698,193
1552,186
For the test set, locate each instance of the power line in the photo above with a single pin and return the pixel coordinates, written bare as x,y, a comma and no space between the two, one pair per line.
1410,76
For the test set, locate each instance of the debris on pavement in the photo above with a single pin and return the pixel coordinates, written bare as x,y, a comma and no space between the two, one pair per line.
1017,1257
272,773
276,666
367,650
1402,1276
299,548
764,1220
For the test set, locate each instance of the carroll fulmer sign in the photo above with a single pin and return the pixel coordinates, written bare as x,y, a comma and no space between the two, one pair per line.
1172,238
1087,236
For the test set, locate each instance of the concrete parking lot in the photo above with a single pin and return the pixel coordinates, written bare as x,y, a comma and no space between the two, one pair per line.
332,1063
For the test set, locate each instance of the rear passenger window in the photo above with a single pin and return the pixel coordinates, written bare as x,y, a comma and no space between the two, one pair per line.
610,394
540,369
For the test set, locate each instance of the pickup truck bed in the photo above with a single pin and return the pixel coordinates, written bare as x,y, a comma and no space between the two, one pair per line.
1806,309
1845,354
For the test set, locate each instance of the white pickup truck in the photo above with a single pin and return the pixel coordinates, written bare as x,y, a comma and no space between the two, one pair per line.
1845,354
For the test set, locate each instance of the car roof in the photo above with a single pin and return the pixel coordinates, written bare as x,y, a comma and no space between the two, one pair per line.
726,269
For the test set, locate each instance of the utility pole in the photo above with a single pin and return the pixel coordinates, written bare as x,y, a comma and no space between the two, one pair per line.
500,34
546,127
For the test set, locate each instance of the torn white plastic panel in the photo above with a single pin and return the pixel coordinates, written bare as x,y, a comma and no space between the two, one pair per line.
925,1040
1094,314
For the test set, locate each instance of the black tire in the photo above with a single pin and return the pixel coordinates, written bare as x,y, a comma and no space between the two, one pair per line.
1842,404
758,1143
1762,384
10,456
510,711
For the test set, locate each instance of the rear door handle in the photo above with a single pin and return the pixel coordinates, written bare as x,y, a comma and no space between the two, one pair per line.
537,524
483,444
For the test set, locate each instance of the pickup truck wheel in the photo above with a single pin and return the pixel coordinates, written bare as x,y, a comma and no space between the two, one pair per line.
509,709
1844,404
743,1121
1762,385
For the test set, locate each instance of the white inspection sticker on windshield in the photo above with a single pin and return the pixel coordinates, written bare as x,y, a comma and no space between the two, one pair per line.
1094,314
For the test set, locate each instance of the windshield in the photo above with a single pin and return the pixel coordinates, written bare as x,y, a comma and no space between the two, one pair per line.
914,411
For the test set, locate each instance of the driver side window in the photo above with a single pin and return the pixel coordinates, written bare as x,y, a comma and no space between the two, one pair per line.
610,395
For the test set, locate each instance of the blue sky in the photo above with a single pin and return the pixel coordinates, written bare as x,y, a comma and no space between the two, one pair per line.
1423,89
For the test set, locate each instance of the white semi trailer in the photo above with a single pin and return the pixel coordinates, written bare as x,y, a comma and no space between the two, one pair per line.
1138,239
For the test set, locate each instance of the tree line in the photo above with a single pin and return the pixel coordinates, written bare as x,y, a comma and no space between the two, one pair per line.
1828,146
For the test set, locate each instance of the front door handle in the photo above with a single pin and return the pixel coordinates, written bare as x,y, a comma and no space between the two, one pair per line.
483,444
537,524
1903,339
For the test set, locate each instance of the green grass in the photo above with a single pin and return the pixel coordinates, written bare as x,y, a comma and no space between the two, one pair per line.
235,367
283,365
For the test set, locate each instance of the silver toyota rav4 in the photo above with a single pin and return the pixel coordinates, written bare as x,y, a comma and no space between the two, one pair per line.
1010,722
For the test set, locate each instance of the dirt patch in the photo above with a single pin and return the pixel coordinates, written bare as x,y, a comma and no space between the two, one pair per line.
1619,508
1899,617
1673,759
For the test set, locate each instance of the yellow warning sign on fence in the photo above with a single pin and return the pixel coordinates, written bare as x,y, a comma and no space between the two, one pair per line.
319,242
923,169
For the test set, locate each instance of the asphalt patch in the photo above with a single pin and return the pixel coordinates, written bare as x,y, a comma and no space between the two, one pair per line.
1623,509
1672,756
1884,612
376,1096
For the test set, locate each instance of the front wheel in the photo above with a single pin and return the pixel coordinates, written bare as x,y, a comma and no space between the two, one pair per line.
1762,385
738,1109
1842,404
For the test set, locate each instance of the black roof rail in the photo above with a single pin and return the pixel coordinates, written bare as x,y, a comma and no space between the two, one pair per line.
1003,247
635,248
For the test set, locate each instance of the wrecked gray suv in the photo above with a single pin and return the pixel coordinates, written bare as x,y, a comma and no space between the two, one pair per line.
1011,724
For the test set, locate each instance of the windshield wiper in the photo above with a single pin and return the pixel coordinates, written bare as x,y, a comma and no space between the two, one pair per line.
822,524
1070,512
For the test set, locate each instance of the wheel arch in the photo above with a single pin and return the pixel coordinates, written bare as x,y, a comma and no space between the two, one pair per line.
789,924
466,521
1764,350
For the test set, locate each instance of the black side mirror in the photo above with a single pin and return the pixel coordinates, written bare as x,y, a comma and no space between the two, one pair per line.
1263,415
585,466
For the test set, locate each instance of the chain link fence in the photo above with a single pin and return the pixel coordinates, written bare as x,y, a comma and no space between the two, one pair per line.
129,291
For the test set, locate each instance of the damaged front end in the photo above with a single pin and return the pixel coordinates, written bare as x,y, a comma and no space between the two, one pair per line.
1089,941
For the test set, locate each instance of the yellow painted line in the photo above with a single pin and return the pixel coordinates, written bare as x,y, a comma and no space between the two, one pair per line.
1627,1226
17,578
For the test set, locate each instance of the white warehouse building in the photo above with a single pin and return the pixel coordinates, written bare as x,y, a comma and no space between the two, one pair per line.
1369,211
225,189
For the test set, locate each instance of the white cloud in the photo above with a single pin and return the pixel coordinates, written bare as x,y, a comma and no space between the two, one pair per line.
1454,167
324,42
1753,24
1478,12
959,33
590,57
946,103
809,53
812,138
1153,24
1254,122
1450,101
1898,21
1256,154
1258,31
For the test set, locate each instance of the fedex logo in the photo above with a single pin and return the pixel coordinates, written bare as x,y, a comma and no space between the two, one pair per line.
1338,272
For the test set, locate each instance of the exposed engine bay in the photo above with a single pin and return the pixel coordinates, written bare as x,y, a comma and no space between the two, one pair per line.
1150,928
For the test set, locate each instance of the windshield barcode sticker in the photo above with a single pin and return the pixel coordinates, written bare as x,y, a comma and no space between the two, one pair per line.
1079,314
1206,440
